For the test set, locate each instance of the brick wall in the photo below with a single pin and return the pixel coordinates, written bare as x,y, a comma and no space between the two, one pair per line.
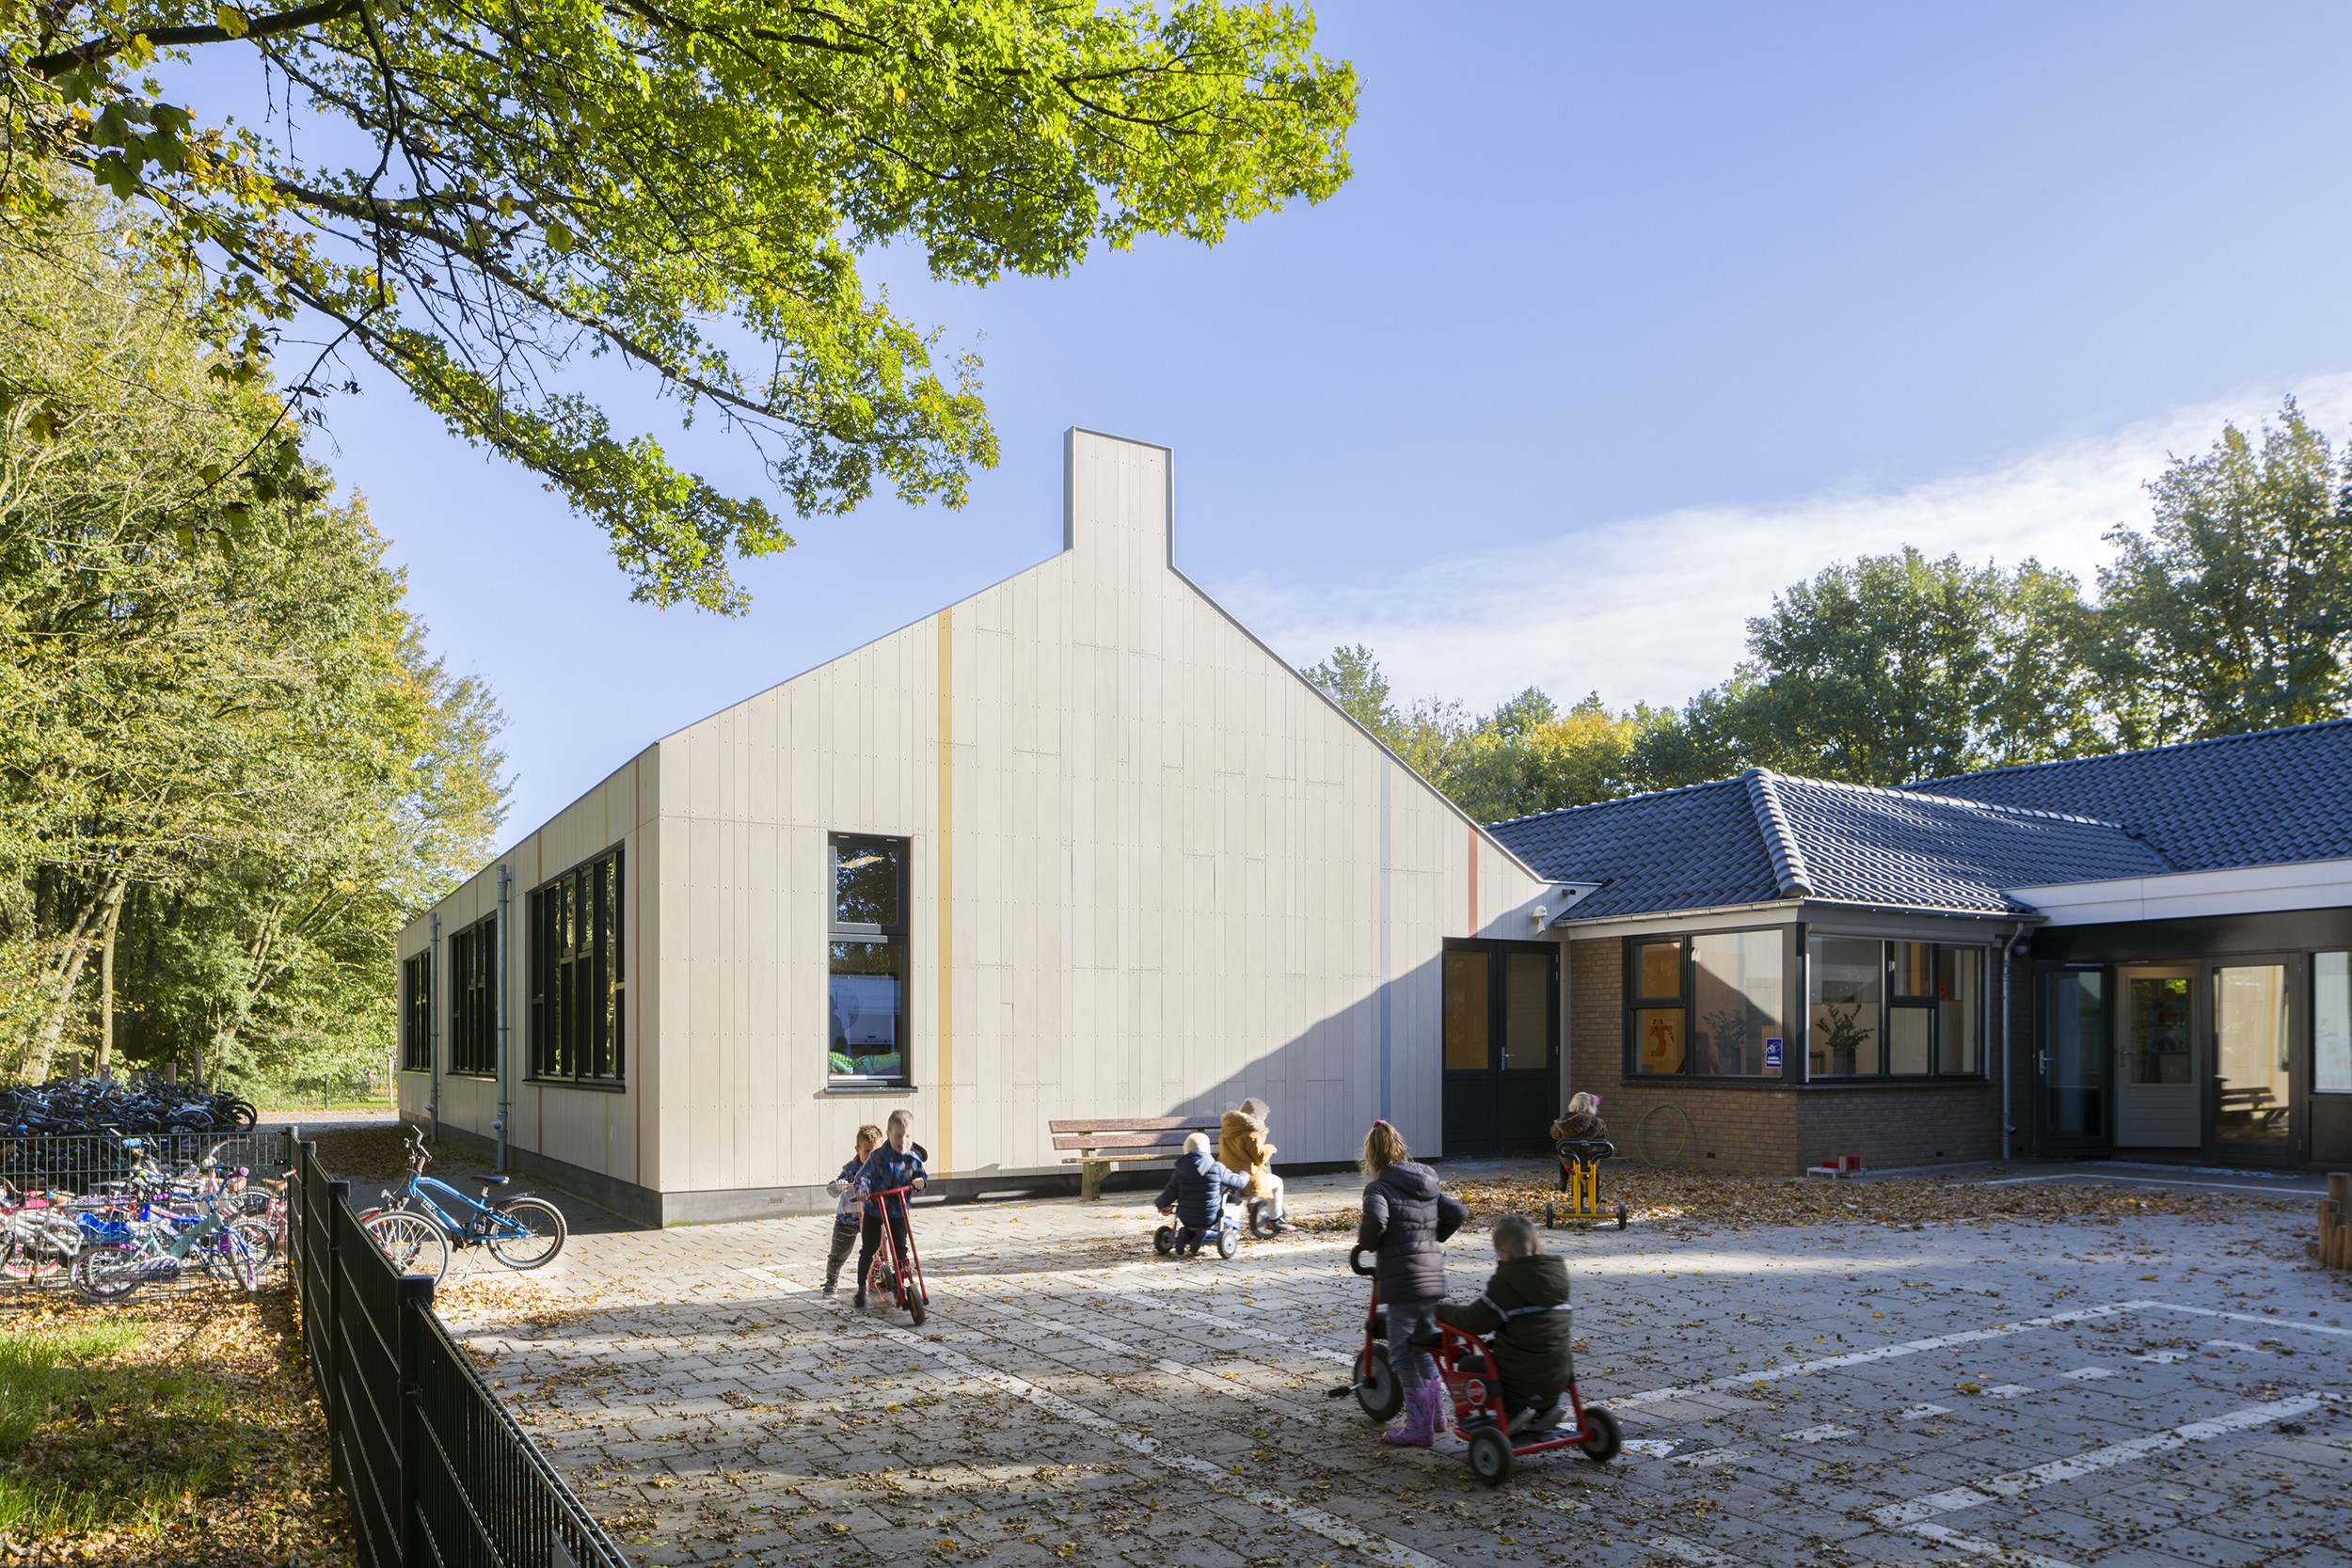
1771,1131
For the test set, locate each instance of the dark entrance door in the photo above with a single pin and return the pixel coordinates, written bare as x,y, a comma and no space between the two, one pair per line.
2072,1102
1501,1047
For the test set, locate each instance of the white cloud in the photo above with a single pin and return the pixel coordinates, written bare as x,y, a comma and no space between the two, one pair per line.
1655,608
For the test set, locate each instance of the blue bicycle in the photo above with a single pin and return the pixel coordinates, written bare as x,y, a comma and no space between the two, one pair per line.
415,1231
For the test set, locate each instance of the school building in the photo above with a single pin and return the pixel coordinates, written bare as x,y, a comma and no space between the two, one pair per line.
1079,846
2146,954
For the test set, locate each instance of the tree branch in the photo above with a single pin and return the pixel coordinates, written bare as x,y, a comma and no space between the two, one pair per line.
52,66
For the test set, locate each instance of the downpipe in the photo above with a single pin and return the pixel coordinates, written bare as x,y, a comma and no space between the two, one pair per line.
432,1022
506,980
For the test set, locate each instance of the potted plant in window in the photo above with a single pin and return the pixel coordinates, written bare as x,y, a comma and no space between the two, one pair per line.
1846,1035
1730,1030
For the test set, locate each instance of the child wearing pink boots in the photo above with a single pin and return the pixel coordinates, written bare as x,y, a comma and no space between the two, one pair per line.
1406,1220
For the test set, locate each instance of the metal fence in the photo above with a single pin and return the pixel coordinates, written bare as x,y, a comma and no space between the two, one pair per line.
435,1470
79,1162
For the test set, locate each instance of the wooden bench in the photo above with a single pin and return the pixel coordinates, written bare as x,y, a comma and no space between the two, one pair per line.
1104,1141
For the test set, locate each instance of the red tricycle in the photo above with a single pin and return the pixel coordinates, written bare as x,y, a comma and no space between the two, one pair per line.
1475,1392
898,1268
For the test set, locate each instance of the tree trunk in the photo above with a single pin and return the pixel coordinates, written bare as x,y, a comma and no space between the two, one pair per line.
107,985
72,960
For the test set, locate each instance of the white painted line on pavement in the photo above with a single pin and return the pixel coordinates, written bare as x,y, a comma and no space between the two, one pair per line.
2148,1181
1321,1353
2008,1390
1818,1435
2227,1344
2263,1320
1865,1357
1943,1536
1921,1412
2086,1374
2017,1482
1656,1448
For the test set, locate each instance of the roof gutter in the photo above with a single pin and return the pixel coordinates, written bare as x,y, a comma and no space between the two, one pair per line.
1595,922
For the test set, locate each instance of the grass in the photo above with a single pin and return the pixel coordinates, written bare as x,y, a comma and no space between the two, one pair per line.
136,1433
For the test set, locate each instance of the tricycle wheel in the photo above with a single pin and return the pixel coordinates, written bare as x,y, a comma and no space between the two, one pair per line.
1552,1216
1263,1223
1491,1455
1621,1216
1228,1242
1164,1240
1377,1389
915,1308
1603,1439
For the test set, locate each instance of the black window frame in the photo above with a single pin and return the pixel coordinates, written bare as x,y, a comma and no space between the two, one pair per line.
1891,1000
416,1013
1685,1003
577,923
892,934
473,999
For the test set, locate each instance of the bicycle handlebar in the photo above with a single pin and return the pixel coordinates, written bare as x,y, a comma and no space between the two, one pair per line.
1355,1264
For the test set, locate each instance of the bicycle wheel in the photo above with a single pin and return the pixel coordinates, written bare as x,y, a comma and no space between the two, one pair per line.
414,1243
109,1273
528,1233
229,1256
32,1258
259,1239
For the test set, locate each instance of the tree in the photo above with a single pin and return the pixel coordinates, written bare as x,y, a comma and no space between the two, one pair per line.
224,747
1891,669
2234,611
688,185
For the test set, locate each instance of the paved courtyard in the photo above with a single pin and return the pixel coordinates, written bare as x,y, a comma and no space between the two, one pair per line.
2146,1390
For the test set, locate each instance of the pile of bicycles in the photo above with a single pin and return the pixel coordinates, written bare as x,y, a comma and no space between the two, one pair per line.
72,1106
155,1228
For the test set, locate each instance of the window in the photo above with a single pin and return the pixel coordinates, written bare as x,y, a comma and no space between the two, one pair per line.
416,1014
578,1013
1708,1006
867,961
1894,1009
2331,1023
473,1009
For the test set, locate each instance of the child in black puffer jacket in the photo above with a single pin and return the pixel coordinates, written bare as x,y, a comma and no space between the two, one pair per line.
1196,1190
1406,1220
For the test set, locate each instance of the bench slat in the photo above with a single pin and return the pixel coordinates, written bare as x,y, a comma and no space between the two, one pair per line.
1117,1140
1132,1124
1110,1156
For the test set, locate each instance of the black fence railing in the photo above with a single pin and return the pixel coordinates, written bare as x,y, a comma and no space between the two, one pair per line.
436,1469
80,1162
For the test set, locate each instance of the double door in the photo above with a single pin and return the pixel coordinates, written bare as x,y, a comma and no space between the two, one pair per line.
1501,1047
2192,1056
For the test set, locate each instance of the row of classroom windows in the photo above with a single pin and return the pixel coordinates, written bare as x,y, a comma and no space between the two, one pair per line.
577,1017
1718,1005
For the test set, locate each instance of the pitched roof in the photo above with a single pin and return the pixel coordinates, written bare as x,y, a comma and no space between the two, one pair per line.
1762,837
2271,797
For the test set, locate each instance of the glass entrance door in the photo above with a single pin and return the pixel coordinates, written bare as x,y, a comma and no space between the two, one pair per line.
2254,1100
2070,1095
1501,1047
2157,1103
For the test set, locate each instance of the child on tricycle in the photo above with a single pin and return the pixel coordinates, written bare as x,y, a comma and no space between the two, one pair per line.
1198,1193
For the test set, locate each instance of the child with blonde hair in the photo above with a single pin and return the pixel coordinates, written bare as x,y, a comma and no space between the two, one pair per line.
1196,1190
1406,1220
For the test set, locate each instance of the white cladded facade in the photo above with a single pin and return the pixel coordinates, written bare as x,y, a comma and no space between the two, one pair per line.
1150,870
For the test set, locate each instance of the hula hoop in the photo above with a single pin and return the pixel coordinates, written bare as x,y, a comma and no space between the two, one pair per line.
1640,1135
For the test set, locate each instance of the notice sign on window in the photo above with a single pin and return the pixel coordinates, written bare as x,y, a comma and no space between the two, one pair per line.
1772,1053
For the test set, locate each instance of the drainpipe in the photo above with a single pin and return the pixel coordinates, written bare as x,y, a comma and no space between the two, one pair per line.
434,982
2008,1060
506,977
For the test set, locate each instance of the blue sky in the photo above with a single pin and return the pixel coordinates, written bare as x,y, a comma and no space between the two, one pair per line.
1630,316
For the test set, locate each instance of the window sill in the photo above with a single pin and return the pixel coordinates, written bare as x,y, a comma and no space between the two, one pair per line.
863,1086
1709,1080
1909,1081
588,1084
477,1077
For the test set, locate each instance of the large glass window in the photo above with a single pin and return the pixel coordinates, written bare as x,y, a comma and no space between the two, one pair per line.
1469,1011
2331,1023
1708,1006
578,984
1894,1009
867,961
473,1008
416,1014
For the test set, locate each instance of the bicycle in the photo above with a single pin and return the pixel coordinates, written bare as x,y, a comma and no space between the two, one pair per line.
121,1253
414,1229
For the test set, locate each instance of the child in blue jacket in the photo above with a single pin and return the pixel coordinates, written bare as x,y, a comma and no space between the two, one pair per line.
845,1222
894,1165
1196,1190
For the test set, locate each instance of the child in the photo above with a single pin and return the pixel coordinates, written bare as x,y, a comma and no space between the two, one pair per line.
1526,1310
1196,1190
1244,1145
1406,1220
891,1166
1583,1124
845,1222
